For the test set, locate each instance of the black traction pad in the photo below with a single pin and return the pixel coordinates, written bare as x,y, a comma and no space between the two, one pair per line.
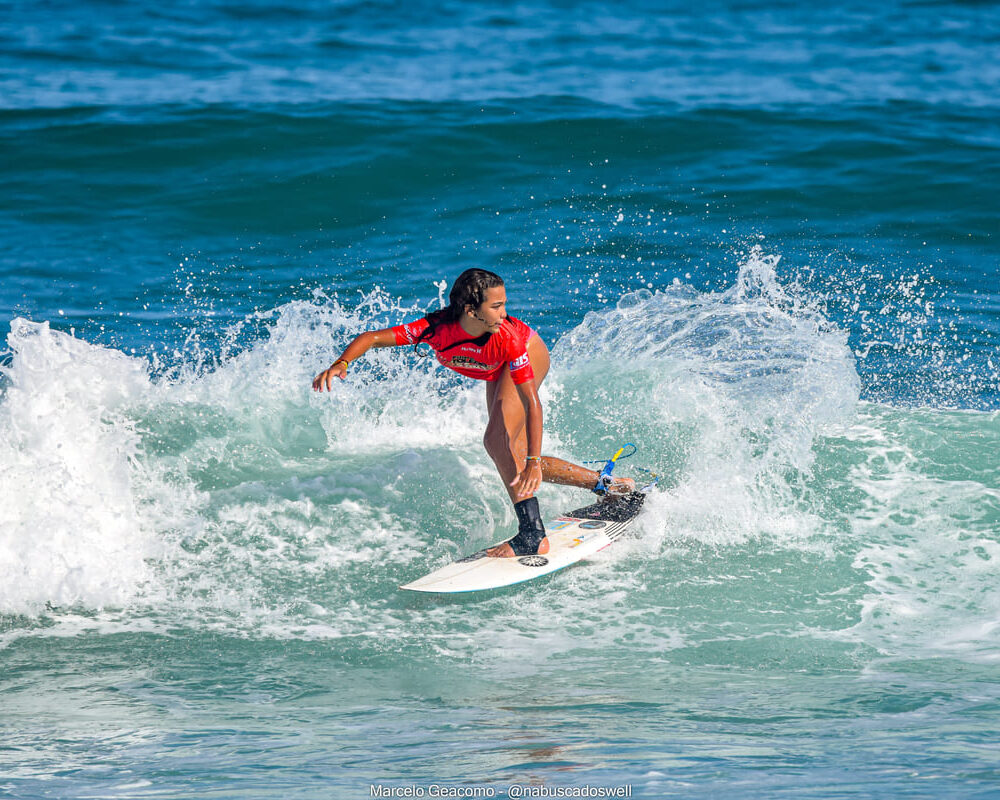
614,508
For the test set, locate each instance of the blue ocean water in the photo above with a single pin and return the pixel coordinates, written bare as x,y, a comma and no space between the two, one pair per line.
760,239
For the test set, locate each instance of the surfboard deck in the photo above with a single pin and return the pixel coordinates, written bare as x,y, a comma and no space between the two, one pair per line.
572,537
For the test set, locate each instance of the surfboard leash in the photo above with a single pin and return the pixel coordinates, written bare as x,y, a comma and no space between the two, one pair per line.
604,479
653,479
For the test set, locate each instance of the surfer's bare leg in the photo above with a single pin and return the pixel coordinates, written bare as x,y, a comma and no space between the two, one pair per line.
555,470
505,439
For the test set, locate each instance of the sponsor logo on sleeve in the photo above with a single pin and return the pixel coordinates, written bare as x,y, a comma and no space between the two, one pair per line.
519,362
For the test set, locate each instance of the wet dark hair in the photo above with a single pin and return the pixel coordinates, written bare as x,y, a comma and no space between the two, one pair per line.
469,289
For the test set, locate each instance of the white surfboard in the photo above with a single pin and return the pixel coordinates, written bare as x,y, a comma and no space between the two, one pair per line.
572,537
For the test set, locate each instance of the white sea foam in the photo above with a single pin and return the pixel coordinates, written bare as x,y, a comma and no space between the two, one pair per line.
735,387
69,527
926,526
248,481
226,495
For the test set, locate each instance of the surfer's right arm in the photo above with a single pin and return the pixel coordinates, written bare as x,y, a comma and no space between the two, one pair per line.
361,345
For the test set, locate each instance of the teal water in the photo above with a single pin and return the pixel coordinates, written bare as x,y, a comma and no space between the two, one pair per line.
759,240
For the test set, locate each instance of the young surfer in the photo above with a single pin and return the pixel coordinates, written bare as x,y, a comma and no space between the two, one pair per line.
475,337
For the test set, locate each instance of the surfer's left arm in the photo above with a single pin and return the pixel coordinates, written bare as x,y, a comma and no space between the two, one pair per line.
530,478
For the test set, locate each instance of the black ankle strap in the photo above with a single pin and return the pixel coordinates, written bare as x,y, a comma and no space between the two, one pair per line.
530,528
526,542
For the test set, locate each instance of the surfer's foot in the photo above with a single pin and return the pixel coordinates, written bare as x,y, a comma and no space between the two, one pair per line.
620,487
506,551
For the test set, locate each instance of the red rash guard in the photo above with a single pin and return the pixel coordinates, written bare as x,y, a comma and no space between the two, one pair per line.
483,362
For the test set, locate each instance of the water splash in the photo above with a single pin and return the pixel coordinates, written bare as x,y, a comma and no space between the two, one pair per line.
70,530
223,494
736,387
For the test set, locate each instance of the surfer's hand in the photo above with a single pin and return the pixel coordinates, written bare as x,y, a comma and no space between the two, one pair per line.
528,479
323,380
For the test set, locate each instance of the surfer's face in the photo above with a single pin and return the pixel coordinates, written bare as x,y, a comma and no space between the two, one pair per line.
493,310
